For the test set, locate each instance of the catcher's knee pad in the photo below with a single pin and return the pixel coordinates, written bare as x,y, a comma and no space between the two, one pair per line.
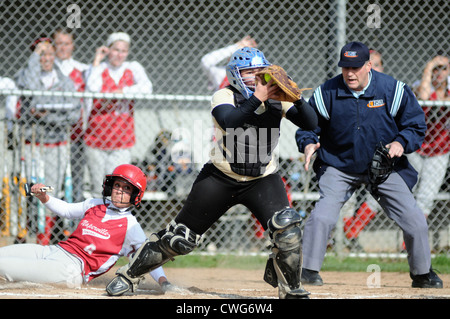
175,240
178,239
283,268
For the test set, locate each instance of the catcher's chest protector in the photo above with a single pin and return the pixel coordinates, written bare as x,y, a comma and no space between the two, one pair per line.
251,145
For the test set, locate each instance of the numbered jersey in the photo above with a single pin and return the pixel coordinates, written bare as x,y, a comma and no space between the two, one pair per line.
102,236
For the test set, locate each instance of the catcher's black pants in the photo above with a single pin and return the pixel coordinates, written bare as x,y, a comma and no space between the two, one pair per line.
213,193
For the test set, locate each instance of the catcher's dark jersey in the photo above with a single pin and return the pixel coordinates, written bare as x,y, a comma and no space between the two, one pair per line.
244,148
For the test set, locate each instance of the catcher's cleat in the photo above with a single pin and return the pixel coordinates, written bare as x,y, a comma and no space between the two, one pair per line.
118,286
430,280
294,294
311,277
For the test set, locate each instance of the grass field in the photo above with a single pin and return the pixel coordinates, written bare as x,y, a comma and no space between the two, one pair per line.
440,263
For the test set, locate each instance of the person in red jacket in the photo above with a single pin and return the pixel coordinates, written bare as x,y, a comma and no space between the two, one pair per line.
110,132
432,159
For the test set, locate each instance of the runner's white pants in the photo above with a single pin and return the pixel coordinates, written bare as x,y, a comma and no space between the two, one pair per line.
40,264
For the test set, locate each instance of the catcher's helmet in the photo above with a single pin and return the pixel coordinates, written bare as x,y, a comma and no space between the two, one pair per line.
133,175
245,58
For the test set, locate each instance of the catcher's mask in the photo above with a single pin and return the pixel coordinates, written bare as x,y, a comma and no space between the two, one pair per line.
245,58
133,175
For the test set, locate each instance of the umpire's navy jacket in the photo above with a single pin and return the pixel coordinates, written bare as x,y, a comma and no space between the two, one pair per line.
351,127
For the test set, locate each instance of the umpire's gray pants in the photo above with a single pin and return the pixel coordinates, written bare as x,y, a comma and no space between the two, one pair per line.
396,200
42,264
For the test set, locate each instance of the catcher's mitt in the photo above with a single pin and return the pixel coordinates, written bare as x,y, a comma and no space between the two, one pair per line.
290,91
380,168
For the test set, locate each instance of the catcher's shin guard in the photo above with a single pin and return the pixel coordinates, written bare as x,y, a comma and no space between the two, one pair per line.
146,258
175,240
283,269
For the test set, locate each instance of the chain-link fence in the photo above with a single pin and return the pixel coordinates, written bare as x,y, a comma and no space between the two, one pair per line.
171,115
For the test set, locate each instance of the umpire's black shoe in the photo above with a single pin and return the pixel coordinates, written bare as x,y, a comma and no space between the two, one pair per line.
430,280
311,277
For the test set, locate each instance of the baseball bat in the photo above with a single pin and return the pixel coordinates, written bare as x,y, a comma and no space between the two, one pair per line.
14,186
21,196
27,188
68,183
33,176
6,192
41,179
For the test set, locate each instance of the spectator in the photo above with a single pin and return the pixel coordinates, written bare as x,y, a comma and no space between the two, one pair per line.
50,115
215,72
11,106
180,174
168,163
357,109
110,131
157,159
97,242
75,70
431,160
377,61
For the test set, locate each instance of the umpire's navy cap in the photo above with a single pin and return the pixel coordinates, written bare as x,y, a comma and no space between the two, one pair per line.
354,55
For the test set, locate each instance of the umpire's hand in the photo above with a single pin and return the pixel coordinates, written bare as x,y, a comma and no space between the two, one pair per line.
310,149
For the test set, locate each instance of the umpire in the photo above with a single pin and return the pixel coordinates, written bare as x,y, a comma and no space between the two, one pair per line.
357,110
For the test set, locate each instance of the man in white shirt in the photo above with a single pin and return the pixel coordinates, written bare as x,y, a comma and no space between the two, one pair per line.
10,103
210,62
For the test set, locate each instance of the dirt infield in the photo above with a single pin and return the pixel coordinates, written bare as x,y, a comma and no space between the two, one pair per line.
213,283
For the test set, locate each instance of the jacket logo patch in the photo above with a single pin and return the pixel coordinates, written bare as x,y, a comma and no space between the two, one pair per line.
375,103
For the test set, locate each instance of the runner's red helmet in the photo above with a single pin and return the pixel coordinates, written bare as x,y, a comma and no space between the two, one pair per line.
133,175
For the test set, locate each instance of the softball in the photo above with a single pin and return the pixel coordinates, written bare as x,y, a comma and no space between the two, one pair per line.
267,77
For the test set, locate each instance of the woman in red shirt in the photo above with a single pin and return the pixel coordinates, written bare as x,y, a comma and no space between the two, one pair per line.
432,159
110,132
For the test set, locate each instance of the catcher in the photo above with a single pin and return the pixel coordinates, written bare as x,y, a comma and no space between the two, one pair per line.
357,110
242,170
